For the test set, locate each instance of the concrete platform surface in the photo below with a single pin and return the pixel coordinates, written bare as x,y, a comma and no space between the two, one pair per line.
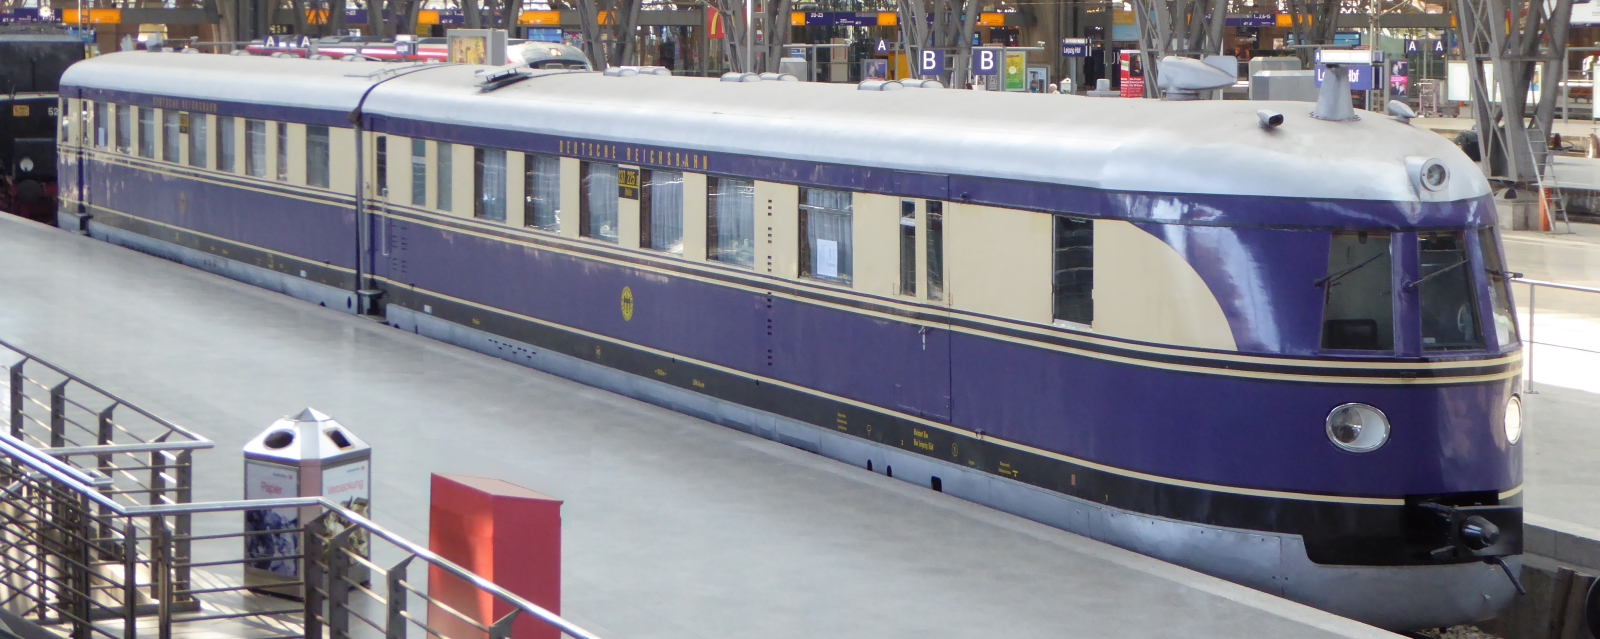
674,527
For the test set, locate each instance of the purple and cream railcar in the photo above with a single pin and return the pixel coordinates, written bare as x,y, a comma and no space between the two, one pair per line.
1284,356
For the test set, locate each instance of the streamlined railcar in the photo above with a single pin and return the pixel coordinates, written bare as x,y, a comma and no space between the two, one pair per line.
1284,355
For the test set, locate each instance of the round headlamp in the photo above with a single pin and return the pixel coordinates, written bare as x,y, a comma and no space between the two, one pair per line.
1514,420
1358,428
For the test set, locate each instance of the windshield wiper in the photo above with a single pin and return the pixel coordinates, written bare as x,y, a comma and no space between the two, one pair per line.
1434,274
1335,277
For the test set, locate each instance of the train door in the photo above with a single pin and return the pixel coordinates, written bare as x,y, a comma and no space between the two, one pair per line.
374,227
922,238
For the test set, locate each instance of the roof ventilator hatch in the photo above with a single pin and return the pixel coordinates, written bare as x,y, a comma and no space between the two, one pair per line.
498,77
1184,78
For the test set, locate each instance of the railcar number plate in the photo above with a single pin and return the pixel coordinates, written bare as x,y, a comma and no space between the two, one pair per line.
19,110
628,183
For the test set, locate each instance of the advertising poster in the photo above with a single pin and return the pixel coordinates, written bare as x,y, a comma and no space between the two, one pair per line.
1132,74
1399,72
1038,79
469,49
272,552
1016,71
350,486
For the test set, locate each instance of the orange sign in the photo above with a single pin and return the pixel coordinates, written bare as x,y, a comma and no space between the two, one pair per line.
888,19
540,18
92,16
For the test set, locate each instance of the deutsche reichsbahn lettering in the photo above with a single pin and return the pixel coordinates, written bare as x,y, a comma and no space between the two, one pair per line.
634,154
185,105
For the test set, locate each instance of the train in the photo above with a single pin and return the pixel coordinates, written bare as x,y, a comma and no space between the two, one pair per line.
531,52
1280,351
32,60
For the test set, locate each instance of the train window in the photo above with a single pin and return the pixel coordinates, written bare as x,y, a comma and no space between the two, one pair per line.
101,123
1449,307
597,201
489,184
147,132
1072,288
935,214
1494,266
283,151
908,247
825,233
225,144
170,135
317,155
443,175
124,128
419,173
381,168
197,139
661,212
66,122
255,148
1358,297
541,186
85,122
731,221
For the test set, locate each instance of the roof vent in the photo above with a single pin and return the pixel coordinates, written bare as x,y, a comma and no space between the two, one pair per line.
880,85
921,84
498,77
1184,78
734,76
621,72
779,77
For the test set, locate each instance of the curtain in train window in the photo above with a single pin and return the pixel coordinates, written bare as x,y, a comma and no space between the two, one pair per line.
597,201
489,184
124,128
661,212
1449,305
442,176
825,233
1073,285
1494,268
147,132
102,122
935,250
225,144
171,135
908,247
197,140
731,221
283,151
1358,294
66,122
541,187
380,168
255,148
317,156
419,173
86,122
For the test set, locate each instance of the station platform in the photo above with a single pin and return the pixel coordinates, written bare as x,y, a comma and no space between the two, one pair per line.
673,526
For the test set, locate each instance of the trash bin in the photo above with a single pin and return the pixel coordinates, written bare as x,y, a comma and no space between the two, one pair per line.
305,455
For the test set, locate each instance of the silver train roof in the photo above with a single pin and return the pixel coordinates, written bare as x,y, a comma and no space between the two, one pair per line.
1204,147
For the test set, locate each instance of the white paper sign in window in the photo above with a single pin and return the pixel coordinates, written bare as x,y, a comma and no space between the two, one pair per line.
827,258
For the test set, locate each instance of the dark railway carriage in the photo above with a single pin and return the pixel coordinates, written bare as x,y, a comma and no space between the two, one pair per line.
31,64
1285,357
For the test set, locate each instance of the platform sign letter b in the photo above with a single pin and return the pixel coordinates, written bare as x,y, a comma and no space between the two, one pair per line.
932,63
985,62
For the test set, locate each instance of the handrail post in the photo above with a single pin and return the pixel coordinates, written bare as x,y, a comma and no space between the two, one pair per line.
395,626
1527,382
338,590
17,380
183,469
130,580
161,577
58,414
83,573
312,574
502,628
104,464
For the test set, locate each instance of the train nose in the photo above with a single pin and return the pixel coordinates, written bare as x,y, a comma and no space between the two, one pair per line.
1478,533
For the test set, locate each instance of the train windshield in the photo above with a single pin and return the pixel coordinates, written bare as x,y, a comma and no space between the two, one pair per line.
1358,297
1494,269
1448,304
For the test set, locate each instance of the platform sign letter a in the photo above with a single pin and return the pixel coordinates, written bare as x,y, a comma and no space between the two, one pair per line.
883,46
932,63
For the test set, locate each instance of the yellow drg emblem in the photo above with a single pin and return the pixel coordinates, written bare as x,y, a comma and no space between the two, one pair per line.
627,304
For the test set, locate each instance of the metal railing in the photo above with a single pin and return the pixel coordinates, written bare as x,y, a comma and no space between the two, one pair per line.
87,557
1533,288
